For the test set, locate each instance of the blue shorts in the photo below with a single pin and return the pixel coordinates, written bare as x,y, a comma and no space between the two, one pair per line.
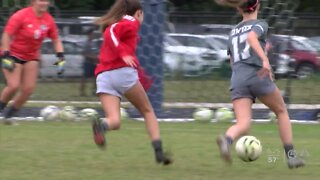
117,82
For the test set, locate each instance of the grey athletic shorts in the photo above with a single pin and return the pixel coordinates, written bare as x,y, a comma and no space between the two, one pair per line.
116,82
245,83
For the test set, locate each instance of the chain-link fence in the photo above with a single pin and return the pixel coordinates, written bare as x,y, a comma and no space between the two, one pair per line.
185,54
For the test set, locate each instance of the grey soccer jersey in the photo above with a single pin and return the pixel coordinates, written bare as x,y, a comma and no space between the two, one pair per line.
245,82
239,49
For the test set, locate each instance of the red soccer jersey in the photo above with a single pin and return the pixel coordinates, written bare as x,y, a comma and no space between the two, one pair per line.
119,40
28,32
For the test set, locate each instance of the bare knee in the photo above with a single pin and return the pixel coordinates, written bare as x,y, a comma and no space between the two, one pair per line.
281,109
13,87
145,110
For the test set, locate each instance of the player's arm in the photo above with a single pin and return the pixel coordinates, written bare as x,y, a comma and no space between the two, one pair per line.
12,27
230,56
257,31
5,42
255,45
58,46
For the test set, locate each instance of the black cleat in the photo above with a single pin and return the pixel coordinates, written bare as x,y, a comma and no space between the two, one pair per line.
163,158
98,133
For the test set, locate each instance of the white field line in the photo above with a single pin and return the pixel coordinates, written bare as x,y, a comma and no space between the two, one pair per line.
182,104
40,119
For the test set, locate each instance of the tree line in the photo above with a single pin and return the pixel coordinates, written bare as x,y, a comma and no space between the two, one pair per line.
178,5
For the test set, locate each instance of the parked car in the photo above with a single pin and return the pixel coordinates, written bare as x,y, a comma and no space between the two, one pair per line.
306,56
187,61
222,39
73,56
210,46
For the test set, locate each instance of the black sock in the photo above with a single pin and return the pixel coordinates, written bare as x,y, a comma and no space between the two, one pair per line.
229,140
157,145
289,150
2,105
10,112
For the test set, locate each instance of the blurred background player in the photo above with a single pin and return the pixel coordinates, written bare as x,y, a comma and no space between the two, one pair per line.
21,41
251,78
117,73
90,60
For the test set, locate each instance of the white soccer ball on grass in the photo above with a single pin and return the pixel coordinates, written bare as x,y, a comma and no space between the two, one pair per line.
50,113
88,114
203,114
224,114
68,113
248,148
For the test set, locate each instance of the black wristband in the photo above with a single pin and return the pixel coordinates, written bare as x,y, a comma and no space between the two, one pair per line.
6,53
60,55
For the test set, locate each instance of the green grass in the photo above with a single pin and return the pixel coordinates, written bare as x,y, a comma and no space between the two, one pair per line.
187,90
65,151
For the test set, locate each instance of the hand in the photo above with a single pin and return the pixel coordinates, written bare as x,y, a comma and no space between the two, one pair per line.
60,63
7,62
129,60
265,70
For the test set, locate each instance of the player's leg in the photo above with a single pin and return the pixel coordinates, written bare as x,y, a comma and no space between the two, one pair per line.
276,103
29,76
242,109
138,97
111,106
13,80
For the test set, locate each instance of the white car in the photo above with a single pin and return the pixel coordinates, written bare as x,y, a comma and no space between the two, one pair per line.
73,56
188,61
203,41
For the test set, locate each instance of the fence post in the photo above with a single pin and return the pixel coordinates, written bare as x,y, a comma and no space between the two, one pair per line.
150,49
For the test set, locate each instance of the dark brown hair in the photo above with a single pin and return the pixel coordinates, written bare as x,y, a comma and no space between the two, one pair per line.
250,6
117,11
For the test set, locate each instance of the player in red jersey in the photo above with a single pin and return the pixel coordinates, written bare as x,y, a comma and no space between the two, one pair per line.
117,74
21,41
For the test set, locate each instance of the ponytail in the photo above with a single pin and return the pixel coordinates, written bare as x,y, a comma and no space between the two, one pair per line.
117,11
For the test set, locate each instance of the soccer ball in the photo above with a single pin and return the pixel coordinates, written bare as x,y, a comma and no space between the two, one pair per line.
68,113
272,117
123,113
248,148
88,114
50,113
203,114
224,114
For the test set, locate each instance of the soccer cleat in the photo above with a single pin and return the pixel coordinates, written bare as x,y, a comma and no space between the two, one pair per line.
98,133
224,148
295,163
164,158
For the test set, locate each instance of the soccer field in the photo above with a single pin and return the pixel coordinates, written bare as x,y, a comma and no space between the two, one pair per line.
65,151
